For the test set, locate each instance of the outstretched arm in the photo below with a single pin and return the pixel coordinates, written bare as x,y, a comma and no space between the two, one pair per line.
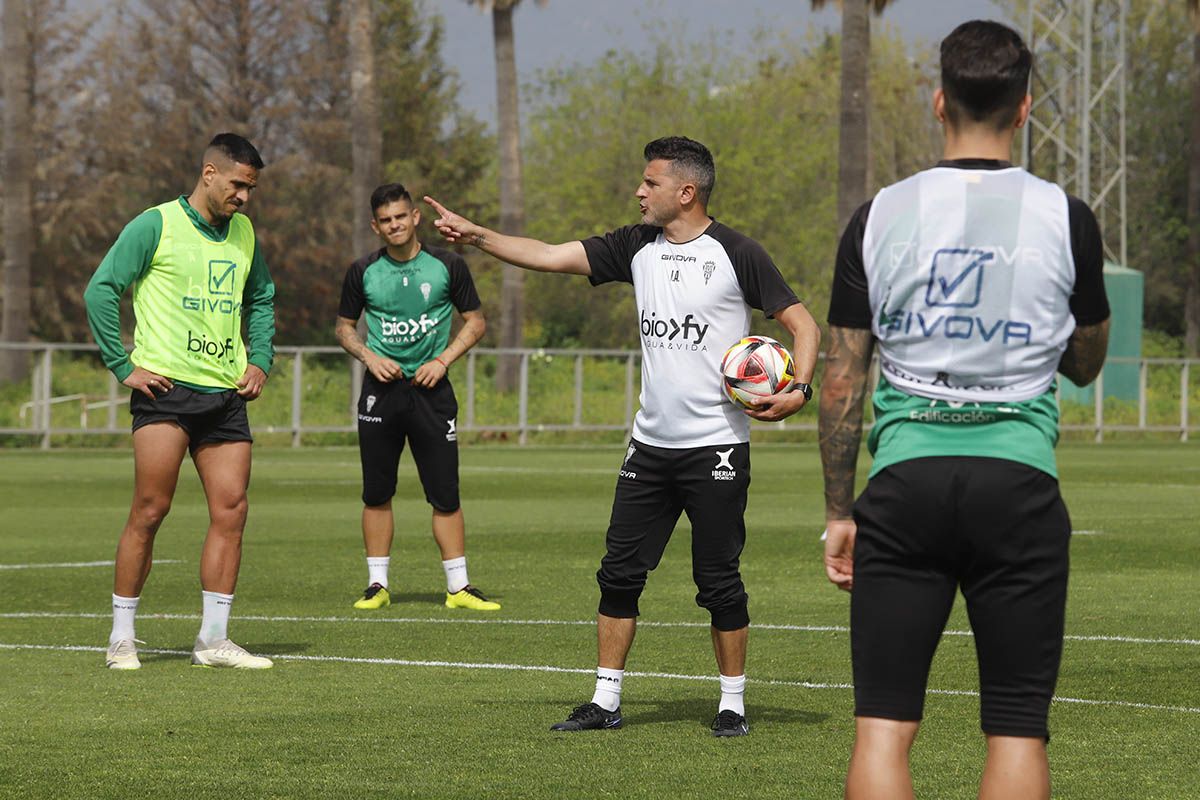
516,250
1084,356
843,387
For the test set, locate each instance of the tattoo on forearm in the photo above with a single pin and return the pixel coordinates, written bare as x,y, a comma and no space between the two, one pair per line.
348,338
843,386
478,239
1084,356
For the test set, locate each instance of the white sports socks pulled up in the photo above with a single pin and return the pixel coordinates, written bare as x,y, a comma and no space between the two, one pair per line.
608,688
124,610
456,574
214,626
733,694
377,570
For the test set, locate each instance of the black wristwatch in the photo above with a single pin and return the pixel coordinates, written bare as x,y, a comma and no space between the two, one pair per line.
805,388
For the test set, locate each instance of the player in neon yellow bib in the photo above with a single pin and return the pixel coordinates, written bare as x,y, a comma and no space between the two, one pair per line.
196,274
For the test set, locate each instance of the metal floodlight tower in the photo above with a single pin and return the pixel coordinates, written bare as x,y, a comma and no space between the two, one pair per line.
1076,132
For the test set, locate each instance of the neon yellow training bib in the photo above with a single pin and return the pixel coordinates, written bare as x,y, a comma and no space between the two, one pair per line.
189,302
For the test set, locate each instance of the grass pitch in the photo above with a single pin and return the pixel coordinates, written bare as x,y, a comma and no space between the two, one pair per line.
420,701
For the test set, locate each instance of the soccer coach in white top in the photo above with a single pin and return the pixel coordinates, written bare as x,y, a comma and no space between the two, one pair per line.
978,281
695,281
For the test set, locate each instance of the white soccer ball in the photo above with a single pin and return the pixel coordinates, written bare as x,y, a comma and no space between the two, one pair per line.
754,368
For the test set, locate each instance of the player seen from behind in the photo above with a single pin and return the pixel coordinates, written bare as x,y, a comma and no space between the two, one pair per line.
977,281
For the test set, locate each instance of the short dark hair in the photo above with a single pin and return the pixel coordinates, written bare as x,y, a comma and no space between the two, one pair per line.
389,193
690,158
985,73
237,149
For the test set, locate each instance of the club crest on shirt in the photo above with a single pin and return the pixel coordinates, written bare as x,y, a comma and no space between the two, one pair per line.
709,268
425,290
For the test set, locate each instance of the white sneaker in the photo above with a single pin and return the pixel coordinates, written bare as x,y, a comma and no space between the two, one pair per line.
122,654
227,654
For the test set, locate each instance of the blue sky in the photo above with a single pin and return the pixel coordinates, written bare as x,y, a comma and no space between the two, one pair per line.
565,32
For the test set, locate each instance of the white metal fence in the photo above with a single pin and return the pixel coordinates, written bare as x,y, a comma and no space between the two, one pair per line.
34,411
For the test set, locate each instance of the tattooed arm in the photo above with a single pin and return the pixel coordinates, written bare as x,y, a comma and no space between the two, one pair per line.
843,386
1085,353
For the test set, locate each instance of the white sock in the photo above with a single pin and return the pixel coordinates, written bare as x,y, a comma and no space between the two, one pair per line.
215,625
733,694
377,570
608,688
456,574
124,610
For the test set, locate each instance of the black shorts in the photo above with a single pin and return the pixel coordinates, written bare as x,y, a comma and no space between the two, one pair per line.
654,486
205,417
999,530
390,414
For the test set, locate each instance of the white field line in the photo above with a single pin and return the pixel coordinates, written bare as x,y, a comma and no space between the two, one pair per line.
562,622
73,564
405,662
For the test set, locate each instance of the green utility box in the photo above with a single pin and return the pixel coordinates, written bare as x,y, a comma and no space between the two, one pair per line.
1125,288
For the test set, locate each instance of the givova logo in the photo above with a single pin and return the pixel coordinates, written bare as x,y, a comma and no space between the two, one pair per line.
956,277
956,282
201,345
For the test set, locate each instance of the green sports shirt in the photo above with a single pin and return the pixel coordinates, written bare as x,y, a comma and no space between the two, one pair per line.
193,286
908,426
408,304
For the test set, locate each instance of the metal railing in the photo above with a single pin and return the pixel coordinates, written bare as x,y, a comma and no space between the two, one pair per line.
36,418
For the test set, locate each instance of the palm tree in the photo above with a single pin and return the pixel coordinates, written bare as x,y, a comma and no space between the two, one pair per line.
366,137
18,197
1191,305
854,143
512,200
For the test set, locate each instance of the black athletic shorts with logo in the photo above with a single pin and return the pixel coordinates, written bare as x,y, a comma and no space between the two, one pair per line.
205,417
998,530
654,486
390,414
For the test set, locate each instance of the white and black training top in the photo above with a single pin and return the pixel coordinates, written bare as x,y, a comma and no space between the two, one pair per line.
972,275
693,302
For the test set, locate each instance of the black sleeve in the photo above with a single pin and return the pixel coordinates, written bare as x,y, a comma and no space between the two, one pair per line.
462,286
611,256
353,297
762,284
1089,303
849,302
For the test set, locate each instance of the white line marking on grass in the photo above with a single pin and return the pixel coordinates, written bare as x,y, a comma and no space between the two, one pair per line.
71,564
1086,533
562,622
674,676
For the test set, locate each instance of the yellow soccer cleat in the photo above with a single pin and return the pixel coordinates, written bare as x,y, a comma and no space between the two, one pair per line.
472,598
375,596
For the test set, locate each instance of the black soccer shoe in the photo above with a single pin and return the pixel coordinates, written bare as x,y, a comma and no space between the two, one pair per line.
589,717
730,723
